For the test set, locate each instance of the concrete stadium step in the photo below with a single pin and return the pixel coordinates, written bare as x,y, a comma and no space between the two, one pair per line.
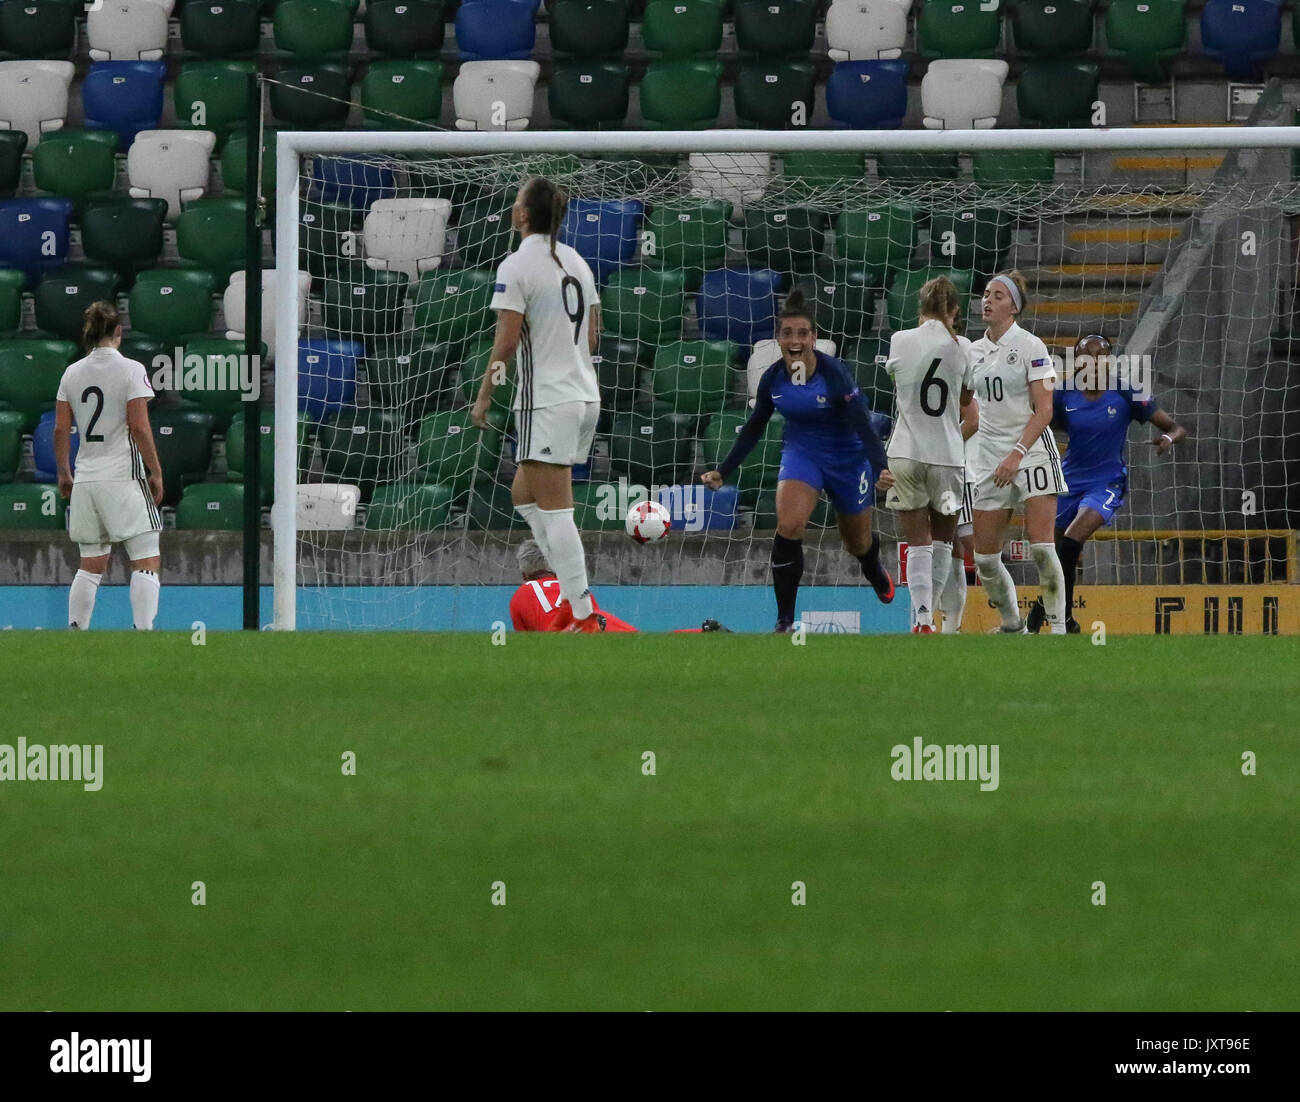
1110,278
1111,239
1080,309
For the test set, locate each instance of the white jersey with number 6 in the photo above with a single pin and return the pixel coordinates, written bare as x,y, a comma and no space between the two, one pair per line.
554,357
1003,371
929,366
98,388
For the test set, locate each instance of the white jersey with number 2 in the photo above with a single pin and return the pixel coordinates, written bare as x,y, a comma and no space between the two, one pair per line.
554,358
98,388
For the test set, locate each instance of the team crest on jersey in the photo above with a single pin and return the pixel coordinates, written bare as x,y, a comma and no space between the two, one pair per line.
821,399
1111,410
1012,357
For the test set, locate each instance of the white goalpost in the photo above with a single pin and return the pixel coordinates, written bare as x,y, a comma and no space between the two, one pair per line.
372,441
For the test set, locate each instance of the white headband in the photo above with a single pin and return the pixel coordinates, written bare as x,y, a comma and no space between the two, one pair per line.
1015,291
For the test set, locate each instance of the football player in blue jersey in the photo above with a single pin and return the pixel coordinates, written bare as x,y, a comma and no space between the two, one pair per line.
829,445
1095,412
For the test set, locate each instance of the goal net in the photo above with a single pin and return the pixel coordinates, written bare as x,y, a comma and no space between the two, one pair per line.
393,511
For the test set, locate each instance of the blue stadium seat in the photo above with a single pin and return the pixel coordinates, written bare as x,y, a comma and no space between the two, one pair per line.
353,181
496,30
738,304
867,95
1242,34
604,232
34,235
327,376
125,96
47,468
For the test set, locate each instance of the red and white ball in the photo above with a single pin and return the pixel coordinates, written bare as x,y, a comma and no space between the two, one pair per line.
648,521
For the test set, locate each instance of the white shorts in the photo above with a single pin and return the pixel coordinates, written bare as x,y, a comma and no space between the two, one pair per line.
918,484
561,434
1036,478
101,514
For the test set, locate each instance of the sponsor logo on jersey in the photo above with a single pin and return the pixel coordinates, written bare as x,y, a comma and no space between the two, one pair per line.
1043,361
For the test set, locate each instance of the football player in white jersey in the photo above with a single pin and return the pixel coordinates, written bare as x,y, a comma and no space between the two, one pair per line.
118,486
548,312
1015,461
932,376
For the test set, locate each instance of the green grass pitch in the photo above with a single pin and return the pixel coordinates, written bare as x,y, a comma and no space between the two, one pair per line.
522,763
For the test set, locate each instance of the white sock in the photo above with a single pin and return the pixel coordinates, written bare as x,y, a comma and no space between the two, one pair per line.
940,564
920,584
952,599
564,553
81,599
532,515
144,598
1000,587
1051,578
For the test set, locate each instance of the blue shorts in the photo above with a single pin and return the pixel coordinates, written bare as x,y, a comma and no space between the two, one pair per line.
851,485
1101,497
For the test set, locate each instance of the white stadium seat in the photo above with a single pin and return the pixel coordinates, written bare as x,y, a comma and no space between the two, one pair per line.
495,95
170,164
232,307
736,177
765,354
406,235
962,95
127,30
34,97
327,506
865,30
167,5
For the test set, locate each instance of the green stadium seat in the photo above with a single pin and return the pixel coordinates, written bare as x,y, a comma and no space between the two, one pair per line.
409,90
412,377
595,507
32,505
12,144
213,95
958,28
409,507
76,164
589,28
363,446
229,28
11,301
266,472
881,239
324,100
681,95
172,303
183,438
689,235
234,165
365,304
816,170
644,304
62,296
1050,28
328,237
1020,167
901,300
405,28
775,28
490,506
776,95
37,29
653,450
785,239
590,93
214,506
694,376
759,470
455,306
11,443
210,235
867,358
145,350
470,362
619,366
1057,92
682,28
975,238
30,371
313,29
125,235
222,399
451,451
909,167
483,230
843,297
1148,34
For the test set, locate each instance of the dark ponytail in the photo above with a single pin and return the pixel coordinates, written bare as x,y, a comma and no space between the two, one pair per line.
797,306
100,321
544,204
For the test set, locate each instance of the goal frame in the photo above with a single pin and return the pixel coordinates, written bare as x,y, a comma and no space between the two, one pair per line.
293,146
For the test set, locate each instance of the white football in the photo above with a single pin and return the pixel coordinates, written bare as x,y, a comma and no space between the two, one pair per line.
648,521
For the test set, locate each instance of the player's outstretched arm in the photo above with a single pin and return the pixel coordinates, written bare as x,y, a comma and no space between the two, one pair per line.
510,324
749,435
137,424
63,446
1170,432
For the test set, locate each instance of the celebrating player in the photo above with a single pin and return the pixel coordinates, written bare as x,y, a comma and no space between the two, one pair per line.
931,368
1015,460
1095,413
548,310
829,444
118,485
